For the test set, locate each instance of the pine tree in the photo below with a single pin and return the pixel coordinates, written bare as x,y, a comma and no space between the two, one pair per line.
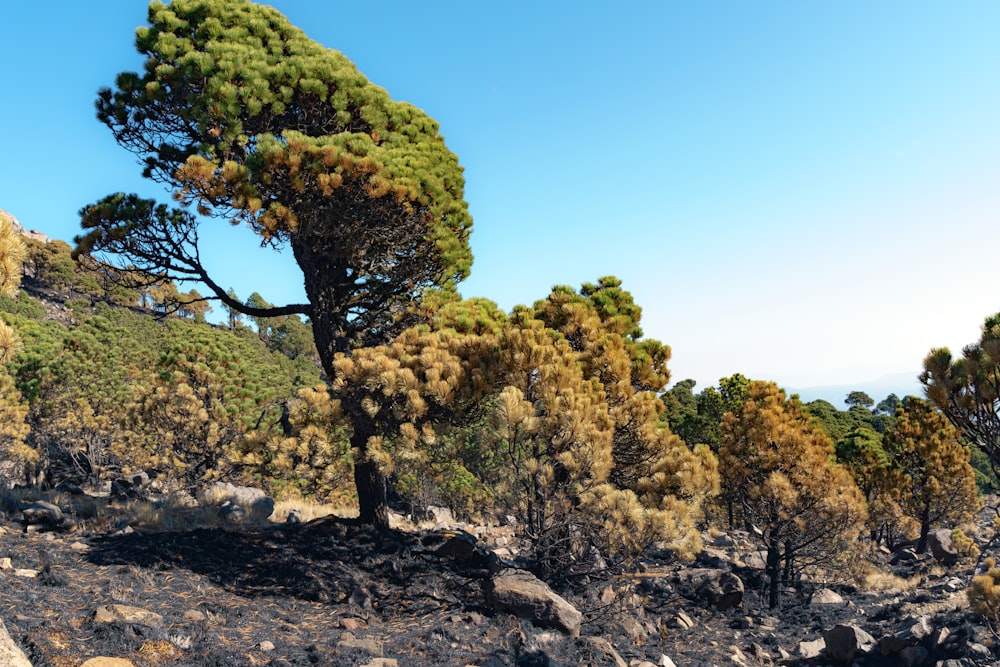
246,119
779,466
929,469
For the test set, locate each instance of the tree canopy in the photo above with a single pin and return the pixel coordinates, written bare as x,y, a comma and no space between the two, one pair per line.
247,119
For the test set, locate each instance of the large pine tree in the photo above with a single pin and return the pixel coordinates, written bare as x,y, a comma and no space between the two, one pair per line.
246,119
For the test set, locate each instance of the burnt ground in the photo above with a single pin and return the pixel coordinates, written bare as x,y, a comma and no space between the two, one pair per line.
298,594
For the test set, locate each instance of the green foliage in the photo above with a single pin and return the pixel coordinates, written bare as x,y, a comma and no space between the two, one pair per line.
967,389
859,399
23,306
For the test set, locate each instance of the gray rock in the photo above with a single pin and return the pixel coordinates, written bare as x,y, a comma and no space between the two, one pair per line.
46,516
844,642
942,547
373,647
601,647
528,597
11,654
256,504
721,589
811,649
121,613
826,596
232,512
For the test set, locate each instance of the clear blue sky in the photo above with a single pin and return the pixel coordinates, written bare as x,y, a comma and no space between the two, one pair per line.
806,192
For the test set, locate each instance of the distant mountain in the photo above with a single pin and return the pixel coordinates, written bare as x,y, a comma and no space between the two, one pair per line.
901,384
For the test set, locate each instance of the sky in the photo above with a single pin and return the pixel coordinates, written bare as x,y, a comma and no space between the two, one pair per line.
804,192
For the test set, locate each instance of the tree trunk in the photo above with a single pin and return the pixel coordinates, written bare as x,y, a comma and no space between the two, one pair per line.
925,528
773,570
373,508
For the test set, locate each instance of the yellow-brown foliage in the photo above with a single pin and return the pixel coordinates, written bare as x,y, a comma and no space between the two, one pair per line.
984,593
779,467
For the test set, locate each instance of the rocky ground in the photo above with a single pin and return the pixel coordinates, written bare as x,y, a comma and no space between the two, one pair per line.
328,592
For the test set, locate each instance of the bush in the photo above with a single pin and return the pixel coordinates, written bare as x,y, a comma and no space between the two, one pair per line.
984,593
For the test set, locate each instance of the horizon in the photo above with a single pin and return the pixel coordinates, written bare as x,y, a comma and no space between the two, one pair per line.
798,193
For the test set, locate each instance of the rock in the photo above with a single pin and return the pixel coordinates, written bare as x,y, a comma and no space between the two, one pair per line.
382,662
942,548
528,597
11,654
256,505
826,596
266,646
811,649
843,642
921,629
440,515
721,589
26,574
6,564
351,624
108,662
909,634
602,648
46,516
904,555
121,613
123,489
348,640
756,560
723,541
634,630
680,620
232,513
912,656
361,596
665,662
455,544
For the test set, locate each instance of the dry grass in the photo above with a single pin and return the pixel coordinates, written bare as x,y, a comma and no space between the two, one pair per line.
308,510
879,580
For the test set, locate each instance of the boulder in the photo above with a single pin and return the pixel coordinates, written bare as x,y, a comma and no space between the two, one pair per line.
599,647
811,649
941,546
844,642
11,654
455,544
523,594
721,589
47,516
255,504
909,634
826,596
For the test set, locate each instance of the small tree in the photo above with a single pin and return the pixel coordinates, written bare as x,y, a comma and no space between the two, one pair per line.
804,508
929,469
